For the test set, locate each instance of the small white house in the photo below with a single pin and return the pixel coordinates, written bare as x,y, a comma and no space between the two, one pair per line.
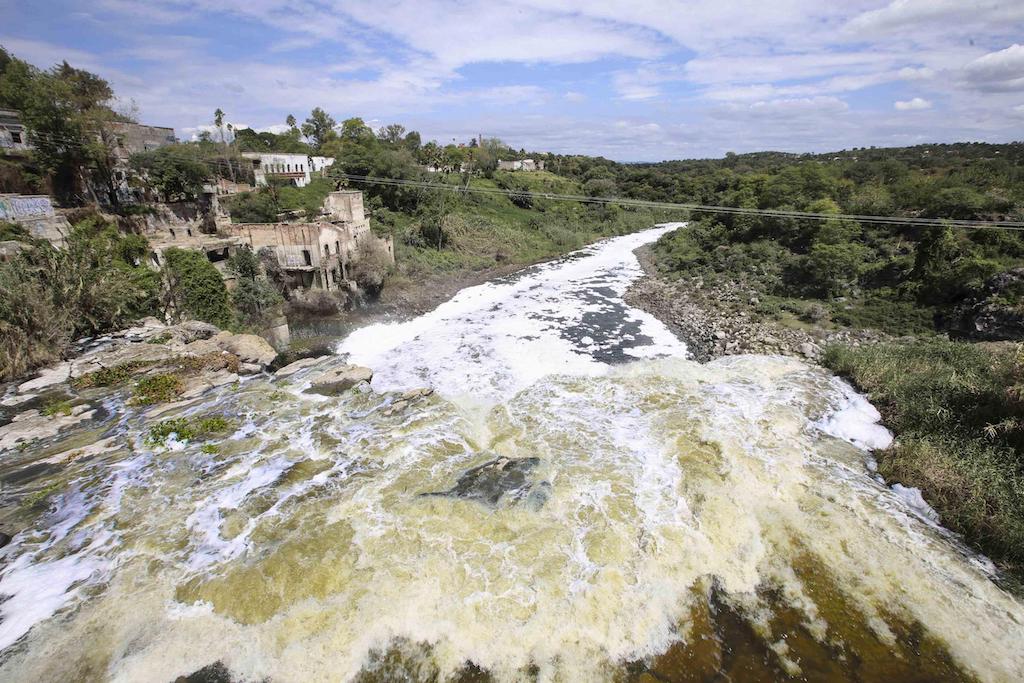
298,169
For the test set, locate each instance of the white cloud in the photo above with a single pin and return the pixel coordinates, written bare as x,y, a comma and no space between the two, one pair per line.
915,14
573,96
998,71
912,104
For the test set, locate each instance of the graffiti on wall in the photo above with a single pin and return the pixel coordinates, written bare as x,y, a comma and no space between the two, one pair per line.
16,207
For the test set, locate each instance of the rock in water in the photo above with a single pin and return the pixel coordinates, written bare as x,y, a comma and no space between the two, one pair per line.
4,539
248,347
337,380
498,482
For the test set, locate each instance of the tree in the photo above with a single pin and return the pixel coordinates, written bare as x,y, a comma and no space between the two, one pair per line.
290,121
63,109
194,288
391,134
252,296
178,172
218,121
318,128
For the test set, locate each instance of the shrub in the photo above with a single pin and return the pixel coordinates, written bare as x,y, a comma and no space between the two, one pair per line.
187,430
49,297
194,288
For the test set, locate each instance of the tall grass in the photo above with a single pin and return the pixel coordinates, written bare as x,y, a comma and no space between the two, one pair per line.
958,413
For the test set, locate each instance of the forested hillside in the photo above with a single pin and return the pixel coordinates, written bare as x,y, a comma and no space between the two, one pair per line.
896,278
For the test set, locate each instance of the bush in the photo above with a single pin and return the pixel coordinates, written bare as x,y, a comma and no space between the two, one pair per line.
49,297
194,288
253,207
370,268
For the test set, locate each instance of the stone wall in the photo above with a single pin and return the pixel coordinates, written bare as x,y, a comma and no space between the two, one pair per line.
36,214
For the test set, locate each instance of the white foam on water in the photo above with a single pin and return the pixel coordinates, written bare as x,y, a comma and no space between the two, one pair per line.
491,341
854,419
911,495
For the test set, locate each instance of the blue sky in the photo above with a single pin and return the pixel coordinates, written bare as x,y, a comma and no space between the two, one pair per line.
631,80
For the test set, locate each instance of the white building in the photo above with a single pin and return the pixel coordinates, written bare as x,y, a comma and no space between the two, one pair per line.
298,169
524,165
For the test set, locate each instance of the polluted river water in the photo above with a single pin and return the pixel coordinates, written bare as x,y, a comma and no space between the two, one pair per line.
575,501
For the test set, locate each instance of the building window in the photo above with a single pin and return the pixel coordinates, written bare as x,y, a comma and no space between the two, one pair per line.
327,250
337,247
16,138
307,257
189,230
171,230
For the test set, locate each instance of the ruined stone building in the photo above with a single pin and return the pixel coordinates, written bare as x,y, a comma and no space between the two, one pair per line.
126,139
13,136
312,255
297,169
320,254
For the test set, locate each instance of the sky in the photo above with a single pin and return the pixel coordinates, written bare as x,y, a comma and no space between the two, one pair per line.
633,80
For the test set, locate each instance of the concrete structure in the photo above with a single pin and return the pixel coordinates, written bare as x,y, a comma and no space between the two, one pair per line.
297,169
126,139
132,138
520,165
35,213
13,136
318,255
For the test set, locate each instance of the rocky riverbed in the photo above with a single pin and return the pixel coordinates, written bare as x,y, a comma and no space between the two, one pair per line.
724,320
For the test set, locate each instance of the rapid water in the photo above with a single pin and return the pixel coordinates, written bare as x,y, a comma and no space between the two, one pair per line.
673,521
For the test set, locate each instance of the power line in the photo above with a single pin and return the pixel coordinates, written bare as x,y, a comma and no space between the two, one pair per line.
909,221
774,213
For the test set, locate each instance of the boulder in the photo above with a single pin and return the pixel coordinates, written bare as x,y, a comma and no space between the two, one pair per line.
248,347
292,368
192,330
338,380
500,482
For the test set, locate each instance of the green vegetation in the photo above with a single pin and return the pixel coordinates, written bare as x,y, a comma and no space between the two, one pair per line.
886,276
108,377
253,296
177,172
161,388
957,410
49,296
195,289
188,430
56,407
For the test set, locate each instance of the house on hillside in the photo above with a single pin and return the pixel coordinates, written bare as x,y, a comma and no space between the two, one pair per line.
296,169
13,136
520,165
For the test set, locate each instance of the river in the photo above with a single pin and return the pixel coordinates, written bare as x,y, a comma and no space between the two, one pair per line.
600,508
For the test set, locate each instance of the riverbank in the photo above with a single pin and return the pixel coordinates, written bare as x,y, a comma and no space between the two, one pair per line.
953,406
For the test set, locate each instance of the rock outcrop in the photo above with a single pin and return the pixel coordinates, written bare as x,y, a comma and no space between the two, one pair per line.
997,314
338,380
